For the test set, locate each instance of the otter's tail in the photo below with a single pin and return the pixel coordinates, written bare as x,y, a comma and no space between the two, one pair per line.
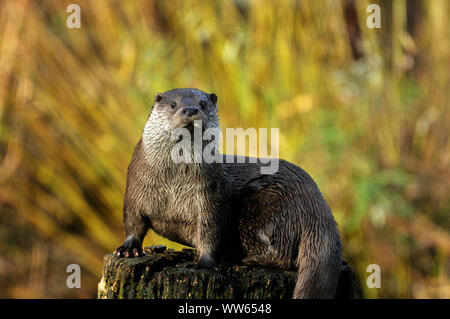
319,260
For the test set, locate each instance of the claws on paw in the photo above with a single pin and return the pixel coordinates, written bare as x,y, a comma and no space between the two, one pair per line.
131,248
128,252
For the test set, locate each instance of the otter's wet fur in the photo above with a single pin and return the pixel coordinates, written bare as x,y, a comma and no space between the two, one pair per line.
228,210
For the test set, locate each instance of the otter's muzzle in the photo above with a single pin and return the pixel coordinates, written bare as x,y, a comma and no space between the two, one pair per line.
189,111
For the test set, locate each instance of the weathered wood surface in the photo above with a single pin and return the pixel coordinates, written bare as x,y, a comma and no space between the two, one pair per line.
167,274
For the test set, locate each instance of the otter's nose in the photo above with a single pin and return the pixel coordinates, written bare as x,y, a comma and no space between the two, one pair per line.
189,111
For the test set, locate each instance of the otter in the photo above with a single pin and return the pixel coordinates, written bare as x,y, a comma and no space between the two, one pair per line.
228,211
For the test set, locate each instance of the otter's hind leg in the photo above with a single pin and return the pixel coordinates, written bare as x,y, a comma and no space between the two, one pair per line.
266,250
268,226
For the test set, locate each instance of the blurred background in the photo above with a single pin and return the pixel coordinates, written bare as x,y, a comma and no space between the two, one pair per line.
364,111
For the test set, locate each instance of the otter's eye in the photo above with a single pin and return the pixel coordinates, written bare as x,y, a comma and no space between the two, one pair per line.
202,104
173,105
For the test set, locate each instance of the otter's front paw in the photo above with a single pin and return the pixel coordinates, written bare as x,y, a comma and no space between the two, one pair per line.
130,248
205,261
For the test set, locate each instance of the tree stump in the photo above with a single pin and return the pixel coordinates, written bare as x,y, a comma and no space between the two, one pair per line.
168,274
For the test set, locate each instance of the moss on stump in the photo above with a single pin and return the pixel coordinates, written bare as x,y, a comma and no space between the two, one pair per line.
168,274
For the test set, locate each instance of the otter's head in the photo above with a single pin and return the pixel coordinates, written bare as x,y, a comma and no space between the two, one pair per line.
181,107
177,110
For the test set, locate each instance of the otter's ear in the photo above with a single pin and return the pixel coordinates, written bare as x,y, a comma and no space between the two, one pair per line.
213,98
158,97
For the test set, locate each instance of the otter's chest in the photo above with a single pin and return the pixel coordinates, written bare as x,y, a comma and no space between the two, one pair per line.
175,212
